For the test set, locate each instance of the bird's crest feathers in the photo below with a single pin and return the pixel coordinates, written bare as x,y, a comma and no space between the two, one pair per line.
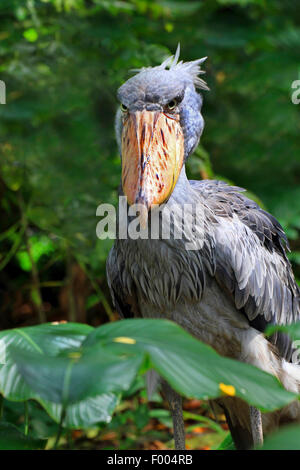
192,68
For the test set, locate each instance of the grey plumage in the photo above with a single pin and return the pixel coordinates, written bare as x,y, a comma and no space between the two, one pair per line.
243,250
251,261
237,282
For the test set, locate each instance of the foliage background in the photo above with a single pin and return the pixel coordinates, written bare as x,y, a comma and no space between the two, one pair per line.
62,61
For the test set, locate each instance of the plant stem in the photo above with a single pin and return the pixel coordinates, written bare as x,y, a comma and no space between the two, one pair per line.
60,428
100,293
13,249
70,440
34,270
26,428
72,302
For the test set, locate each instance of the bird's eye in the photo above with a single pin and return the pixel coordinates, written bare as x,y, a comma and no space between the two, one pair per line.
172,104
124,108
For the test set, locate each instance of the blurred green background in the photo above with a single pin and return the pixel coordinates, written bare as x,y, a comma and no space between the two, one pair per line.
62,62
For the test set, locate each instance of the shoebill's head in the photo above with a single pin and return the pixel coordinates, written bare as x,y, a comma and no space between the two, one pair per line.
158,126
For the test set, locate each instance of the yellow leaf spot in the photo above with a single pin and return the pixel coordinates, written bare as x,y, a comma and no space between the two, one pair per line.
74,355
124,339
227,389
92,433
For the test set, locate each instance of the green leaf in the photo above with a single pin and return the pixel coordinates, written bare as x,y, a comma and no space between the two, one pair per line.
39,246
75,376
227,443
190,366
66,364
287,438
11,438
31,35
85,413
45,342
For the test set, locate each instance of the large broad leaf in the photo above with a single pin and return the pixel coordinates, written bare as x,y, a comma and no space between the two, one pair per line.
11,438
76,375
287,438
85,413
190,366
43,341
111,356
46,342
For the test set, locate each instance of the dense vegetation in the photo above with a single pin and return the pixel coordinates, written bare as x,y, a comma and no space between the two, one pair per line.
62,61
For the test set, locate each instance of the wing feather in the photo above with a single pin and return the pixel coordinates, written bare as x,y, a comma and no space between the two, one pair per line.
251,260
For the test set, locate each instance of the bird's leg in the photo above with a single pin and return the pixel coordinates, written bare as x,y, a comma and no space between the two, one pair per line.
175,404
256,427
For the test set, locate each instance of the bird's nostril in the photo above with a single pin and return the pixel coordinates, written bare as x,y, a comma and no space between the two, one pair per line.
153,107
152,98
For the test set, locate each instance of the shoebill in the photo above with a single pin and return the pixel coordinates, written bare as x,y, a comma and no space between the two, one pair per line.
229,285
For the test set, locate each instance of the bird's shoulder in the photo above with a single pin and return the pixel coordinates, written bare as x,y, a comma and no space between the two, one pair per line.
228,201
